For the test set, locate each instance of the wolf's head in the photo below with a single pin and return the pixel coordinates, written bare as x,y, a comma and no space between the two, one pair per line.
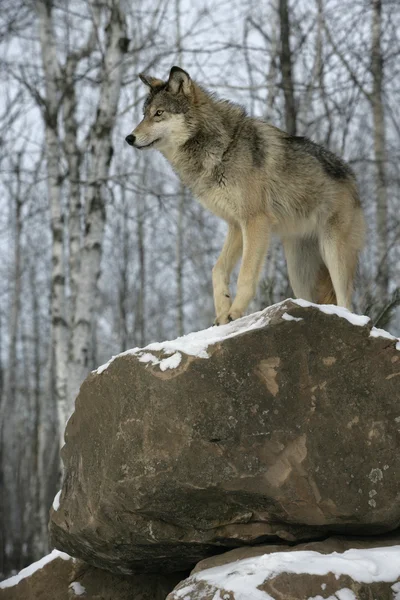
166,122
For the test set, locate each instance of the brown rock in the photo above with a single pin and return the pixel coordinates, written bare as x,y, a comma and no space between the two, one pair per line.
288,431
69,579
245,573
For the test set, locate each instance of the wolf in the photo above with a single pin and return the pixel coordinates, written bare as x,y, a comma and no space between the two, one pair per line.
261,181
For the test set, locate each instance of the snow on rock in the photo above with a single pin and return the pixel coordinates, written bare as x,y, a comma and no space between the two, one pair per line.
56,501
287,317
396,591
345,594
332,309
243,577
197,343
381,333
33,568
172,362
77,588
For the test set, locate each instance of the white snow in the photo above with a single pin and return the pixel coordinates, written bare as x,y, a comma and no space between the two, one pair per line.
396,591
33,568
171,362
346,594
287,317
332,309
197,343
77,588
56,501
376,332
243,577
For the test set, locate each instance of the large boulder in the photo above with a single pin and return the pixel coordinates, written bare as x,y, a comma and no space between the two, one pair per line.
60,577
335,569
281,425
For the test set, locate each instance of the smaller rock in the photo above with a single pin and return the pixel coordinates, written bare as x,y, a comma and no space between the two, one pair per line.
60,577
335,569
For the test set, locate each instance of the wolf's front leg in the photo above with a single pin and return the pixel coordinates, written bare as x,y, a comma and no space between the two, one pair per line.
256,234
228,258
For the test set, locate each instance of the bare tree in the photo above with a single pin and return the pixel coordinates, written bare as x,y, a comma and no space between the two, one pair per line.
101,150
285,56
50,105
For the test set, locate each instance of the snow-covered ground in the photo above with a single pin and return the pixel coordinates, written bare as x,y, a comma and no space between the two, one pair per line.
77,588
197,343
243,577
33,568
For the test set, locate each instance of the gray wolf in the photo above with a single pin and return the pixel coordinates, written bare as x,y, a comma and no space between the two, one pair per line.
261,181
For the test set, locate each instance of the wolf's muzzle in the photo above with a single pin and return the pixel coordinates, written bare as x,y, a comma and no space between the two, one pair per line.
130,139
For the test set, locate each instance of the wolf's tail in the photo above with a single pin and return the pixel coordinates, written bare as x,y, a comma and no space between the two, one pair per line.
325,291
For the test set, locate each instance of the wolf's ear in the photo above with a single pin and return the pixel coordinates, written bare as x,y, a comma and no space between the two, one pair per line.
151,82
179,81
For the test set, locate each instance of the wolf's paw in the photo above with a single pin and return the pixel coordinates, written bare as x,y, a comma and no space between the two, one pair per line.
224,318
234,314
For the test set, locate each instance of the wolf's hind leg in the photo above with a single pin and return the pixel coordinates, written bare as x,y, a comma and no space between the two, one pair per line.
304,263
222,270
340,256
256,233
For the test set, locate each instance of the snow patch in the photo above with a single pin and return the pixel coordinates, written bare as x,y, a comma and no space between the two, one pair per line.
381,333
56,501
345,594
172,362
77,588
36,566
332,309
197,343
243,577
287,317
396,591
376,332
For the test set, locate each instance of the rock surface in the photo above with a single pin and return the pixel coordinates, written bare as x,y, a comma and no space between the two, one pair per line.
286,431
336,569
59,577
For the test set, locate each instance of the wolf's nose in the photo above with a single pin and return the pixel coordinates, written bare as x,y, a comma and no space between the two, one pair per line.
130,139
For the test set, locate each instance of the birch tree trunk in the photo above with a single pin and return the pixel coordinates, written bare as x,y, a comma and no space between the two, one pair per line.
59,333
73,156
380,151
100,158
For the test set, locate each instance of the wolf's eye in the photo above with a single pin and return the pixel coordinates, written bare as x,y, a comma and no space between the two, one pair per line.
158,113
